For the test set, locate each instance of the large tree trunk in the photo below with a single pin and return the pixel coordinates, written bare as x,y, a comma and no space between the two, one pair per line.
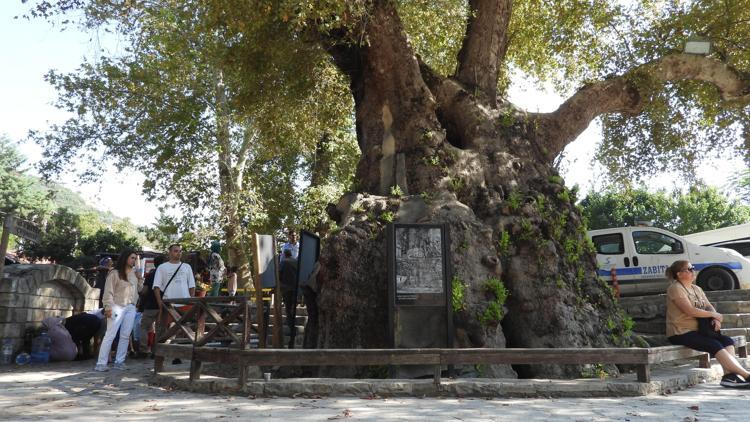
448,150
508,213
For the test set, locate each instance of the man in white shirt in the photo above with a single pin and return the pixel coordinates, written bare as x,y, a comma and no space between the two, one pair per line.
292,245
182,282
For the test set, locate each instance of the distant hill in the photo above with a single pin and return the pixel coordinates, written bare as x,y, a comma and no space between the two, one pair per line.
92,218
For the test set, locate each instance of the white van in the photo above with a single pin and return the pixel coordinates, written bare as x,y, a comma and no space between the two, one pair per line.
641,255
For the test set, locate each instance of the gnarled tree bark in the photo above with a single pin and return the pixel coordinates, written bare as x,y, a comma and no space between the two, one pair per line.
486,172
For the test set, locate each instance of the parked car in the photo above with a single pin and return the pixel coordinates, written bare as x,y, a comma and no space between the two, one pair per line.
741,246
640,256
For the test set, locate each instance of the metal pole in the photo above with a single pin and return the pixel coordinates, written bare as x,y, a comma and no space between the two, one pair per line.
615,283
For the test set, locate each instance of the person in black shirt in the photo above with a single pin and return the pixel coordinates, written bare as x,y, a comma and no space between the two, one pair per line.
288,278
82,328
149,308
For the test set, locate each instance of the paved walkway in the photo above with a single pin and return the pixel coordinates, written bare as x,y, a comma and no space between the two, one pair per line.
63,391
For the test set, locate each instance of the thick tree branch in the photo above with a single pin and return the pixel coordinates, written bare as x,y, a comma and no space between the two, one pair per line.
484,46
623,94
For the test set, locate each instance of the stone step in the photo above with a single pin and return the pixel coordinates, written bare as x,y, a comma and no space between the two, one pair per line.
298,341
655,340
285,329
298,320
736,321
301,310
651,301
650,327
731,332
237,328
732,307
651,308
730,326
728,295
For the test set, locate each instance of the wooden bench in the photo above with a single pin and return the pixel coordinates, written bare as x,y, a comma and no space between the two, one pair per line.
213,320
641,358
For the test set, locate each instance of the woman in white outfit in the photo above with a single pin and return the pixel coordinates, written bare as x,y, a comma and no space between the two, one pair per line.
119,299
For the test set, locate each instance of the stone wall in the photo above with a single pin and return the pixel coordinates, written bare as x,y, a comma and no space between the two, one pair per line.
648,312
30,293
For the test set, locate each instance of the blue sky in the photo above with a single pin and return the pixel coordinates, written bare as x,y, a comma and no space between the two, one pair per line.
30,48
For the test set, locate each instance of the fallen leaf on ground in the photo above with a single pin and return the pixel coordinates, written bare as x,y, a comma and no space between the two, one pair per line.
694,407
345,414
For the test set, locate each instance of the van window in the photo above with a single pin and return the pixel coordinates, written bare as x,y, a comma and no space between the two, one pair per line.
609,244
647,242
742,247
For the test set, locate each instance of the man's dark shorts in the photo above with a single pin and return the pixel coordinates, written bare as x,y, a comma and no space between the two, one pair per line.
697,341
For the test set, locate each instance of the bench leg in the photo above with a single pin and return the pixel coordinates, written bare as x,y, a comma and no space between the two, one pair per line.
158,359
704,361
644,373
742,351
158,364
242,379
195,369
437,375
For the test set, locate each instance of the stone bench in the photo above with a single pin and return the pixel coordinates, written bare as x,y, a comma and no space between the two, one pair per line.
641,358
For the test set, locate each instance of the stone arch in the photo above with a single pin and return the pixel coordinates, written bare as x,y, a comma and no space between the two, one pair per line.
30,293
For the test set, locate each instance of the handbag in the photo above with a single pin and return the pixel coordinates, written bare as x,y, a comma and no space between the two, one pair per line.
706,328
705,324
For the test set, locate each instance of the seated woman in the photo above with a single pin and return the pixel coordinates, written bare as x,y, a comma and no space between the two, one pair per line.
685,303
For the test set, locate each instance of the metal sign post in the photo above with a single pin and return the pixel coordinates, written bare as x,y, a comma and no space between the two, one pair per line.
21,228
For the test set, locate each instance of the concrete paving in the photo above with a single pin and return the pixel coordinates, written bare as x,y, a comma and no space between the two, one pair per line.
62,391
665,379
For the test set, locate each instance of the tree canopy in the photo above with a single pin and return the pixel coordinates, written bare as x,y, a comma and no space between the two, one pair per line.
106,240
17,193
701,208
192,101
264,51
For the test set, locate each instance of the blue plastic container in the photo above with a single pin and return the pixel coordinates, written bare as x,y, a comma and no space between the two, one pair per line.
7,355
40,348
23,358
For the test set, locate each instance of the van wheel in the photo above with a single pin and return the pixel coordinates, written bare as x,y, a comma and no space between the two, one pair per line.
715,279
